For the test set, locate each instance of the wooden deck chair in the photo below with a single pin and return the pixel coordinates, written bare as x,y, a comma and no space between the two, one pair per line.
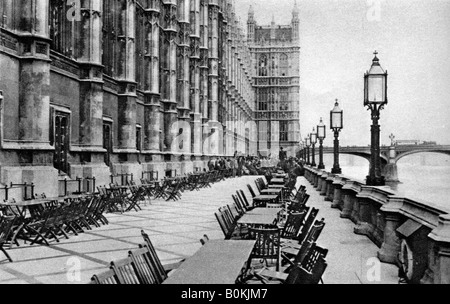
222,224
267,246
291,249
310,271
6,228
160,270
239,205
250,189
108,277
125,271
293,225
241,194
308,224
144,268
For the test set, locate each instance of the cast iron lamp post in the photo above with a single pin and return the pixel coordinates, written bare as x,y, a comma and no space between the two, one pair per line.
302,146
321,134
375,98
304,151
336,124
313,138
308,144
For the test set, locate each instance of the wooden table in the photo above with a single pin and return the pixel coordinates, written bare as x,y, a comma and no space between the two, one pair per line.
264,199
260,216
273,191
277,181
257,219
276,186
278,175
217,262
261,211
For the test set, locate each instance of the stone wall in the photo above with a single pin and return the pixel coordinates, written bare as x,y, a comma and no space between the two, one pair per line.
171,73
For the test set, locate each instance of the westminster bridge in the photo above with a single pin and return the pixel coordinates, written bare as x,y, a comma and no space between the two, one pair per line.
389,155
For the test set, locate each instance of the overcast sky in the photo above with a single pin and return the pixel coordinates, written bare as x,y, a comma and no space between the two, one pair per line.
338,38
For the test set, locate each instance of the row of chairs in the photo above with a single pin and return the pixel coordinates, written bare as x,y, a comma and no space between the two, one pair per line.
299,201
286,246
302,260
123,198
289,253
228,216
53,220
50,221
141,266
309,271
172,188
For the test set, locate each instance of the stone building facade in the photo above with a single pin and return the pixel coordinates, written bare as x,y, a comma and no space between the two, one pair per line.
94,88
275,52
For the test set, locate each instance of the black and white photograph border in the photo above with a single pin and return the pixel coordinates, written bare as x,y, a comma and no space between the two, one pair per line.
228,142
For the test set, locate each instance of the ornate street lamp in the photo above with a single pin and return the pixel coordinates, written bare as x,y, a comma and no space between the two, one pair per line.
375,98
336,124
321,134
302,146
313,138
308,144
304,151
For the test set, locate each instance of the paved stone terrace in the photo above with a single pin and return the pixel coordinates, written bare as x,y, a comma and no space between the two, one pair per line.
352,259
175,229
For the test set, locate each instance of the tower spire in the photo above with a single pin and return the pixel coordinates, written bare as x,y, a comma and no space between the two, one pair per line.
251,14
251,11
295,22
295,11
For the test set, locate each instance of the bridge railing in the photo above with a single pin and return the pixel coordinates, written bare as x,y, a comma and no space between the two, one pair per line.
412,234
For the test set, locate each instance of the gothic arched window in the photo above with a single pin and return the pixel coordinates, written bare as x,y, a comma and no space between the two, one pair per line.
262,66
61,28
284,65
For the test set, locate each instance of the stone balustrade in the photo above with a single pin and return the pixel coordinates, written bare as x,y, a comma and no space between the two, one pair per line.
413,234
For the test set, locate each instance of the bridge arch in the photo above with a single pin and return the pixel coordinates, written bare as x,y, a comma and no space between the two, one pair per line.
412,152
365,155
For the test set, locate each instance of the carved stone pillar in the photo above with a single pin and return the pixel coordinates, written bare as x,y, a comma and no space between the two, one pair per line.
34,74
329,195
213,76
183,62
152,92
195,105
126,75
31,28
91,82
169,73
204,33
338,193
441,246
214,58
370,201
323,184
391,242
349,191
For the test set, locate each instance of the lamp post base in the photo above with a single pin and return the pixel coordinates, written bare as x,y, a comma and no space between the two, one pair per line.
375,181
336,171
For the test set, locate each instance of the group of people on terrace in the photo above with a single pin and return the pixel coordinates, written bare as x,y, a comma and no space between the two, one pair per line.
241,165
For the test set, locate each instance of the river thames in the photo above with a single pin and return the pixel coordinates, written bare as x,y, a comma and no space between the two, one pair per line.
424,176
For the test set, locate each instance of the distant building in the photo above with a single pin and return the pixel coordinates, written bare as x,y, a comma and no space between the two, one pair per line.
275,53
